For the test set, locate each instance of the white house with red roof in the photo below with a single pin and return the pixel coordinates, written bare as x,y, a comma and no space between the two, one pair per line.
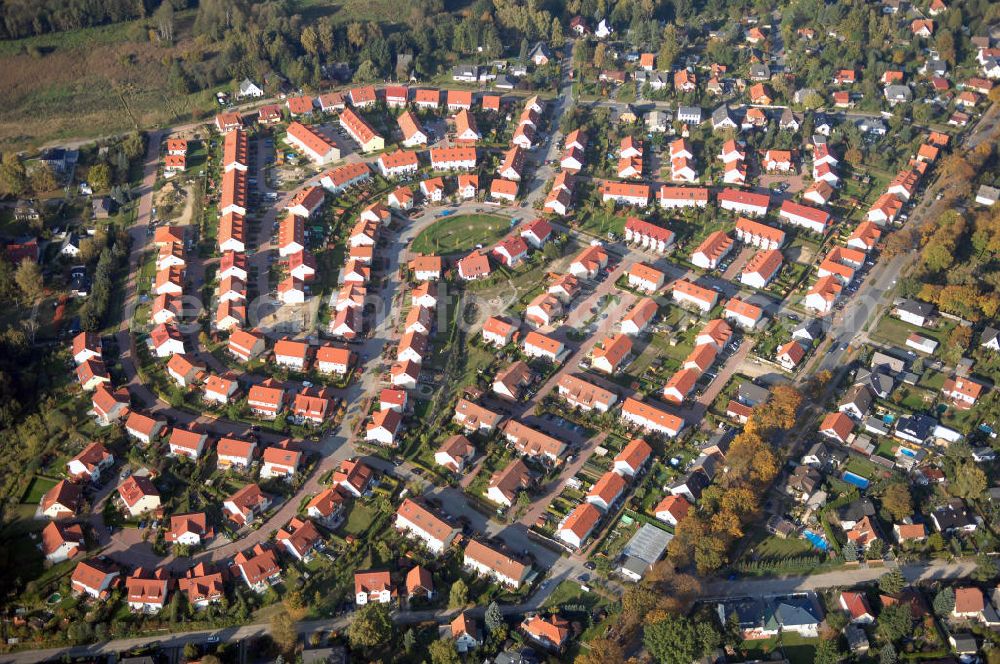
88,465
278,461
299,537
142,427
579,524
804,216
352,476
61,542
139,495
633,458
246,505
187,443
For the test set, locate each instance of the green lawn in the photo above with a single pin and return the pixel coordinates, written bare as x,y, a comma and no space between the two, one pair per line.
599,222
39,487
861,467
775,547
360,519
569,592
461,233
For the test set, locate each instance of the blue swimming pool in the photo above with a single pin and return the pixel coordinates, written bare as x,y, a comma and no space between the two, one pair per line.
816,540
905,451
856,480
888,418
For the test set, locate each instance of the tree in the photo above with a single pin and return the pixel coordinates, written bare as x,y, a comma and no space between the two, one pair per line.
897,501
637,601
601,651
969,481
854,156
895,622
99,175
13,177
191,650
43,179
80,632
679,640
669,48
836,620
892,583
493,618
28,278
164,19
283,631
310,40
459,595
409,640
366,72
887,655
672,640
828,652
372,626
558,39
986,569
443,651
944,602
850,552
600,52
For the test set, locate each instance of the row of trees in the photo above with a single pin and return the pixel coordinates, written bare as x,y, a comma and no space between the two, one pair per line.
957,252
706,534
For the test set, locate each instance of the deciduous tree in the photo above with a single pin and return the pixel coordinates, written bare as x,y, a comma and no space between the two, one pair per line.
443,651
29,280
372,626
283,631
459,595
897,501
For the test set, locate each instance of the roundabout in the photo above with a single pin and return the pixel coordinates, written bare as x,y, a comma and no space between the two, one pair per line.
461,233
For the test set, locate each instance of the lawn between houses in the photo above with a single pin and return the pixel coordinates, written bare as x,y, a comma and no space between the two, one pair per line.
461,232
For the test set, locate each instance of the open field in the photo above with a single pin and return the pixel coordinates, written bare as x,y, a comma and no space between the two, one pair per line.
461,233
93,82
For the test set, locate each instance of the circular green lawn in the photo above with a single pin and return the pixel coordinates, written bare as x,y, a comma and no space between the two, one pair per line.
461,232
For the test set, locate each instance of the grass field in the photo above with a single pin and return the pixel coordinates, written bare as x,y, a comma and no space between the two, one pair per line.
461,233
775,547
360,519
39,487
93,82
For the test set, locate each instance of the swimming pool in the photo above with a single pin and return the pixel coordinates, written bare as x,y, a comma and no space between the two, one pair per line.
888,418
905,451
816,540
856,480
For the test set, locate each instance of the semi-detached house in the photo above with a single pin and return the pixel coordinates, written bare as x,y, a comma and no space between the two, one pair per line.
422,523
685,292
651,418
759,235
320,149
804,216
744,202
400,162
532,442
362,132
493,563
345,177
584,395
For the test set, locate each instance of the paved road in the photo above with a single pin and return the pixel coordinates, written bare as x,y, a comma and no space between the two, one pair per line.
915,572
